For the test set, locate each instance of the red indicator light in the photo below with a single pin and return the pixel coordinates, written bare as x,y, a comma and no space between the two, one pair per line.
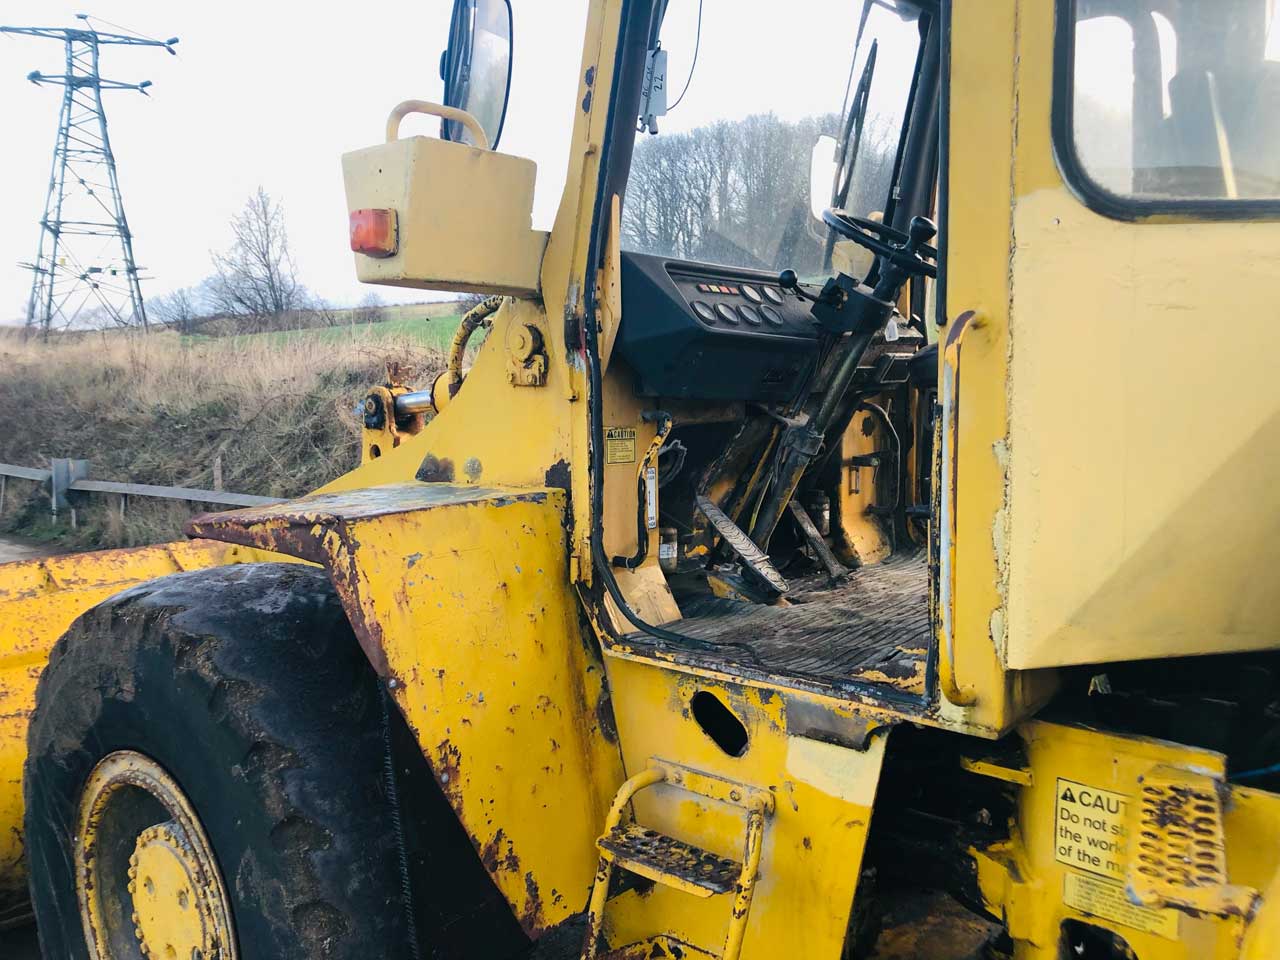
373,232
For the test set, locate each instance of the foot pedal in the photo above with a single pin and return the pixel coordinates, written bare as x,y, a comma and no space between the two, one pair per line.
676,864
1179,858
836,570
753,558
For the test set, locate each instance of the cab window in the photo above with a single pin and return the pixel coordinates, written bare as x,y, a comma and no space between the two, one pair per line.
728,176
1171,102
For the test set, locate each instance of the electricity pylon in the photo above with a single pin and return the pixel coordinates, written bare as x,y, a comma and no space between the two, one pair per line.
85,255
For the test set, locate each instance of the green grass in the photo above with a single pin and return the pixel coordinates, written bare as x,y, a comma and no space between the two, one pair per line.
410,324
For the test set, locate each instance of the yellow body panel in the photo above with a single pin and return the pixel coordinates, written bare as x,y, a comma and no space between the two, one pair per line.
1142,507
458,595
39,599
1107,508
813,842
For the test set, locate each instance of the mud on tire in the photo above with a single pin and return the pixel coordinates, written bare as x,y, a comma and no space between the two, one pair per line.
247,686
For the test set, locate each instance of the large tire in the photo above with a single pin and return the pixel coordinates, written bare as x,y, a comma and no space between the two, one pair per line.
246,685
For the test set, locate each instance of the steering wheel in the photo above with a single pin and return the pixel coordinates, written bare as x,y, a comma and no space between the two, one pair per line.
909,252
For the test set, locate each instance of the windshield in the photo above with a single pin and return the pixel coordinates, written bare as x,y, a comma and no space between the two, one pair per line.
727,178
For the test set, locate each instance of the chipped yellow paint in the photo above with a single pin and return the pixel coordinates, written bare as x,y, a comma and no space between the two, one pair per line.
813,842
460,598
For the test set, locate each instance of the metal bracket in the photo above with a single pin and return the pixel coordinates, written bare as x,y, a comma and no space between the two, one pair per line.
526,355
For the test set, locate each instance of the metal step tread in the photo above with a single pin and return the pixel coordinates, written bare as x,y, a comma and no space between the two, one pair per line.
669,861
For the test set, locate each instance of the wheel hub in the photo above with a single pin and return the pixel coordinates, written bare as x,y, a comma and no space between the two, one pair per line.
146,878
172,902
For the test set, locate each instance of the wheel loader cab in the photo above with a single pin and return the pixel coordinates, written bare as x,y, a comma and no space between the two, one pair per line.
776,350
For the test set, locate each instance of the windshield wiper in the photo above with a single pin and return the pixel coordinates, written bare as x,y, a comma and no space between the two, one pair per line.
849,147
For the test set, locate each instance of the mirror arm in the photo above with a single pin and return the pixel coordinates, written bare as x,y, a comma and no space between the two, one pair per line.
402,110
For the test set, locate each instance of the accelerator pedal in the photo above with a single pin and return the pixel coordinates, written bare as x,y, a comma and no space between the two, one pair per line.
764,574
676,864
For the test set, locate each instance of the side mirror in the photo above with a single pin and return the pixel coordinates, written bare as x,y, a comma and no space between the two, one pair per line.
476,67
822,176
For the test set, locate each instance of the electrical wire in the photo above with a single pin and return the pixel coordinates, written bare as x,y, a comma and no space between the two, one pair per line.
137,33
697,45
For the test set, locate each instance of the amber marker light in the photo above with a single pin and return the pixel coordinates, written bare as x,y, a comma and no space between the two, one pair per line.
373,232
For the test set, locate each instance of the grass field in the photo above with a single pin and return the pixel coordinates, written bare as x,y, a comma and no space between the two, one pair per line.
431,325
273,413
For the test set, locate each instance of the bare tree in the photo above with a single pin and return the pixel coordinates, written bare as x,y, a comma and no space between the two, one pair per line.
371,309
256,277
180,309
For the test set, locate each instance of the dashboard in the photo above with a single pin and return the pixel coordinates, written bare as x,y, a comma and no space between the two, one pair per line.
708,332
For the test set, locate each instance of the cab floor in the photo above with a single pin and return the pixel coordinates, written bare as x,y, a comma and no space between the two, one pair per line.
868,634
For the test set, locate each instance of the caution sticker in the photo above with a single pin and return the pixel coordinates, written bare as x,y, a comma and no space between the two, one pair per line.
1102,898
1090,831
1090,835
620,445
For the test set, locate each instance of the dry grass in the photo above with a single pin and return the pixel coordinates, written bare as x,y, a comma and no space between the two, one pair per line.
279,414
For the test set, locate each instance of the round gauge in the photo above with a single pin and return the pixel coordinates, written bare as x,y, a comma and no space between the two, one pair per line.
751,293
749,314
772,315
704,311
725,313
772,295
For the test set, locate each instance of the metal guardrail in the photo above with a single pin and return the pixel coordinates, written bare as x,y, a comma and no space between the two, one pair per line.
66,476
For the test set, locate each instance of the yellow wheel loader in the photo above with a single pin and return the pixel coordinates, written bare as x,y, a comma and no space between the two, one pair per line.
854,537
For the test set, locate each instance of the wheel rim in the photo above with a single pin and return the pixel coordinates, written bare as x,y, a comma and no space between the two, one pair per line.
146,878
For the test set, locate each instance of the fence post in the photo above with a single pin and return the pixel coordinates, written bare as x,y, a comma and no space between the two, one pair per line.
62,473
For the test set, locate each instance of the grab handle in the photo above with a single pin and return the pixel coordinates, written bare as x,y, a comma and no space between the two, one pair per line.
402,110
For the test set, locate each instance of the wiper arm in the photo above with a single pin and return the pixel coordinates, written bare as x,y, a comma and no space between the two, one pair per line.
849,147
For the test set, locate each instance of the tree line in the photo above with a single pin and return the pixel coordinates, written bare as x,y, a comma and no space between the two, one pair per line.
737,191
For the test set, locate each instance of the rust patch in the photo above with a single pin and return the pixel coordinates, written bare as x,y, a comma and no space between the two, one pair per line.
448,770
499,855
604,716
531,915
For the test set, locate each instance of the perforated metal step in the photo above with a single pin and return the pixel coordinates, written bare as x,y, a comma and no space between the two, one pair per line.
664,859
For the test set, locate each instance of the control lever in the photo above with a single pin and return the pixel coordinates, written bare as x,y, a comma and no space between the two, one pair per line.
846,306
788,280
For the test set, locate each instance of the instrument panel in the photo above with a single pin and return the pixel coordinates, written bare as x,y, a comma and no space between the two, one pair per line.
709,332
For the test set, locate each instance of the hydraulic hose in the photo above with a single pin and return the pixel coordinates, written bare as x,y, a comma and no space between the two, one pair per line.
477,316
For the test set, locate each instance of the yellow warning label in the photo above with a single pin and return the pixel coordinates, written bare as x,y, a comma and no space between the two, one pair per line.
1089,829
1101,898
620,445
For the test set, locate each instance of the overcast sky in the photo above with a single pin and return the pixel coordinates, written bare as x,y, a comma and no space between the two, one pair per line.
267,93
272,93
